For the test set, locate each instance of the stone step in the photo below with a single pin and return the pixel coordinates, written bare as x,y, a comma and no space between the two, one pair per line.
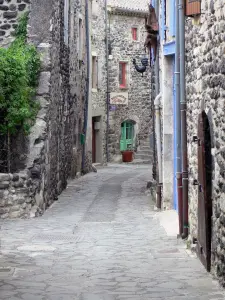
143,156
141,161
147,151
145,144
145,147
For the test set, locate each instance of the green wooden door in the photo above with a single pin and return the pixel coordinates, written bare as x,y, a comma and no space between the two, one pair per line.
127,135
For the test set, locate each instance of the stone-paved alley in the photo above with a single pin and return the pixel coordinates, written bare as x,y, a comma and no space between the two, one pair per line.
101,241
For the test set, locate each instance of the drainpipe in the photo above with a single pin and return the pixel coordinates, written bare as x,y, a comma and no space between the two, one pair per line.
87,82
157,87
159,149
107,81
178,123
183,107
155,91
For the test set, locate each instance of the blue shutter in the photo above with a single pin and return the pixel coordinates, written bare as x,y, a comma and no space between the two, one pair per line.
172,16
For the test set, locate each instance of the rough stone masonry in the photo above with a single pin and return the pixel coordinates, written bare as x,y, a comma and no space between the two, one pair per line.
205,77
54,151
9,12
125,49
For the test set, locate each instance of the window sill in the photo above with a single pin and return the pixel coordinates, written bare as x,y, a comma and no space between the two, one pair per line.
94,90
123,87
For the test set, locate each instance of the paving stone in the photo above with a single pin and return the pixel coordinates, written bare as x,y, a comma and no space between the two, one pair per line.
104,247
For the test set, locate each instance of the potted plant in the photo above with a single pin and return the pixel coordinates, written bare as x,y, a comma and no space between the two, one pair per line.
128,154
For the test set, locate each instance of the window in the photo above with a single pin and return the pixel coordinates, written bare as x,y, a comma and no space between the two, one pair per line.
193,7
66,22
94,72
134,34
80,39
122,74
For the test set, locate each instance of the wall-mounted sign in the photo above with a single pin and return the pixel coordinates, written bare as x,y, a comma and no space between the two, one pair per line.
119,98
112,107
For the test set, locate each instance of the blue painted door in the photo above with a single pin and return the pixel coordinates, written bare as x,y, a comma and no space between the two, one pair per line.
175,196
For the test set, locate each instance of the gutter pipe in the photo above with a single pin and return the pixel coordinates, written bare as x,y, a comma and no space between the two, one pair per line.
87,82
183,107
158,135
107,81
156,120
178,123
157,87
159,150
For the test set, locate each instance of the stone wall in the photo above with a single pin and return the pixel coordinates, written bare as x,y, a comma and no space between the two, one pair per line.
139,104
205,73
10,10
17,193
99,95
54,148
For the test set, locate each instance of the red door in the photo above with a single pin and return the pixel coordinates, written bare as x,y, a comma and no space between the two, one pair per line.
93,142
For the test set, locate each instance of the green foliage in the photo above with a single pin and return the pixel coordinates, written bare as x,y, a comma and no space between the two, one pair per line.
21,30
19,69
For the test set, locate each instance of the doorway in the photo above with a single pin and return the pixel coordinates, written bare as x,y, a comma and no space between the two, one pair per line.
204,191
127,135
97,139
93,141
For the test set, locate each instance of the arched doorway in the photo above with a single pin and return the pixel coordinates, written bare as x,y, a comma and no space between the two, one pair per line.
127,135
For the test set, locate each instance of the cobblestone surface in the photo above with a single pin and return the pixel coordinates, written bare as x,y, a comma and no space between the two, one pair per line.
101,241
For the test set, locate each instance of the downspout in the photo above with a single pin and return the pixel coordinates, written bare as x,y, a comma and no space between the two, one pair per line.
107,81
178,122
158,122
155,91
159,149
183,107
157,87
87,82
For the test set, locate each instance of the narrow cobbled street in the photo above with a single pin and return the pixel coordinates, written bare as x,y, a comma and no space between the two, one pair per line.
101,241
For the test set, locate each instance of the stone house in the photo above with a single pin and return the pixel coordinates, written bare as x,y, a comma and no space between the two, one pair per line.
205,96
56,149
167,44
125,124
205,92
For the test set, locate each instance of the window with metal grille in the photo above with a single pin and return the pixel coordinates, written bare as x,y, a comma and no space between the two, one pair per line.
122,74
66,22
94,72
134,34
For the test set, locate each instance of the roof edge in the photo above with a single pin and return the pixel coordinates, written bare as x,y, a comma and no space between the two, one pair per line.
127,11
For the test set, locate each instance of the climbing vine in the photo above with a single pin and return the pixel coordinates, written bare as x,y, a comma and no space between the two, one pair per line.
19,69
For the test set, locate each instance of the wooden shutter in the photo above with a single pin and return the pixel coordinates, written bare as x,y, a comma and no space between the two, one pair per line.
134,33
122,74
193,7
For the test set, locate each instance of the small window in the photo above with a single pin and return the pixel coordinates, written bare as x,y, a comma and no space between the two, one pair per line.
80,39
122,74
66,22
134,34
94,72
